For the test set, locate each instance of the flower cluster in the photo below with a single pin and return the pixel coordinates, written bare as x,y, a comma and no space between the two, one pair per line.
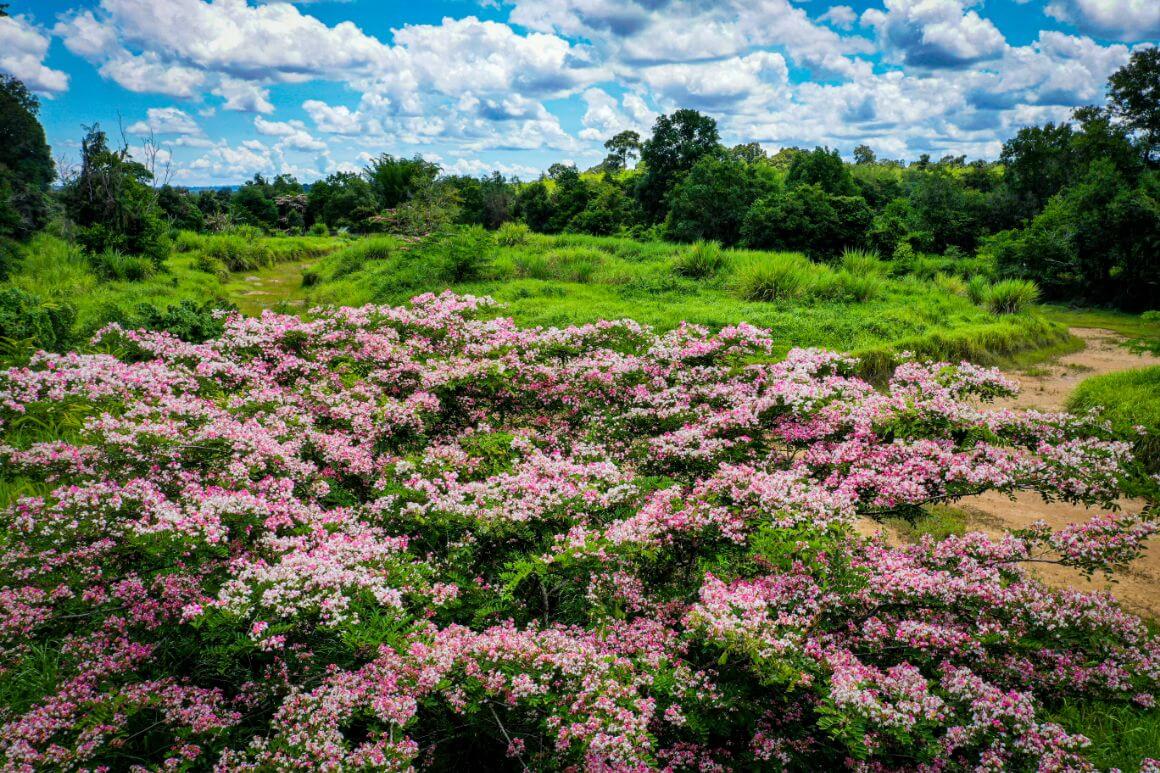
394,538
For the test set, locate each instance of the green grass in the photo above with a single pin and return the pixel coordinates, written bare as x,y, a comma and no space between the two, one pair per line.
1142,331
1127,399
1121,734
570,279
936,521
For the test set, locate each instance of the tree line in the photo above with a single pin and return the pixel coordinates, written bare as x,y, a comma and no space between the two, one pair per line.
1074,206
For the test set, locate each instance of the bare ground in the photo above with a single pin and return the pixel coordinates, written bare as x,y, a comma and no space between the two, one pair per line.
1046,387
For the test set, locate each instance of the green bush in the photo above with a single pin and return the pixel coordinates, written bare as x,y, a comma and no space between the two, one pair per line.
859,287
9,257
188,320
512,234
115,265
319,229
26,317
1011,296
702,260
187,241
464,255
533,265
777,276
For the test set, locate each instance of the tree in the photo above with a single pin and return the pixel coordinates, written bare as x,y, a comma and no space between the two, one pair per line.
253,204
621,148
1134,97
112,202
342,200
822,167
800,218
710,202
863,155
26,167
180,208
1038,163
749,153
678,142
395,180
534,206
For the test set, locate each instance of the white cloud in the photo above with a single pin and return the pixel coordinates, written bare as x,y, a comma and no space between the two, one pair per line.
243,96
935,33
760,76
149,74
166,120
840,16
1127,20
293,135
23,48
334,119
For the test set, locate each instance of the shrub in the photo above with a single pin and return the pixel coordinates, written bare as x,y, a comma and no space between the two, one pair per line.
862,262
9,257
26,317
188,320
187,241
464,255
977,289
1011,296
311,278
702,260
319,229
778,276
330,544
533,265
512,234
117,266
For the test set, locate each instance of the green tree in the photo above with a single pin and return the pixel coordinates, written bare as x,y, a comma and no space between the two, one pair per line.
863,154
1134,97
710,202
26,167
621,148
342,200
678,142
112,202
534,206
822,167
395,180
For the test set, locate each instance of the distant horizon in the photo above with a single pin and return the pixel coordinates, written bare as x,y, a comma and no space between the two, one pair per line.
233,88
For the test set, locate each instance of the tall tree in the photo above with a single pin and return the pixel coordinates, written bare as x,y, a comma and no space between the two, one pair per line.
678,142
621,148
395,180
26,167
1134,96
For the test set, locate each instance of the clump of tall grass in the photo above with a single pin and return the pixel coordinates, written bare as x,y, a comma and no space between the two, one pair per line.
949,283
512,234
862,262
774,277
114,265
702,260
977,289
574,264
1011,296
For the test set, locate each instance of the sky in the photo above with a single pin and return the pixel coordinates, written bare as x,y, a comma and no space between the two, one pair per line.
232,88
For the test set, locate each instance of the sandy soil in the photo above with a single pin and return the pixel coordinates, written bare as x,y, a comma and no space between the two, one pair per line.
1047,387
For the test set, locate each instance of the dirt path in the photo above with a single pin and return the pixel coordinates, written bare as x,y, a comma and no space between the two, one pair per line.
1047,387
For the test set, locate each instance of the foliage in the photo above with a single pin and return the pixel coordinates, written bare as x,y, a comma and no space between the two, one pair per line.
700,261
26,167
1011,296
710,201
1131,402
1134,97
112,203
597,548
27,317
778,276
396,181
677,143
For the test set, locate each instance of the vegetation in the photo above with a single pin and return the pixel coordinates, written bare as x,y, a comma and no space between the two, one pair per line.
1130,400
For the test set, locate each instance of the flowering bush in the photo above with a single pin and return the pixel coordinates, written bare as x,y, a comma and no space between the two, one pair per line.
395,537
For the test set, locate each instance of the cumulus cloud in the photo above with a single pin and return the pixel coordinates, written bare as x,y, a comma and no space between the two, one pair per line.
840,16
166,120
292,135
935,33
23,48
1127,20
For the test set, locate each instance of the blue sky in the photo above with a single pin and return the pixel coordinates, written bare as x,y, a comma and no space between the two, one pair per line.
231,88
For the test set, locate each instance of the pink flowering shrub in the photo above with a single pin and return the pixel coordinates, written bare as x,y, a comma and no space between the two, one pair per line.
389,538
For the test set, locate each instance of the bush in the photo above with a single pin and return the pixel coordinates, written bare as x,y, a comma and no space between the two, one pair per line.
1011,296
464,255
977,289
533,265
859,287
778,276
26,317
188,320
114,265
9,257
311,278
512,234
319,229
187,241
703,259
